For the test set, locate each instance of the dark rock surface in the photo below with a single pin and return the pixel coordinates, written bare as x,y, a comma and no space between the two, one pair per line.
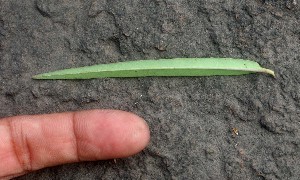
191,119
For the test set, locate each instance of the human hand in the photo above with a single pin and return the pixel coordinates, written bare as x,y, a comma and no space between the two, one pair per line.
29,143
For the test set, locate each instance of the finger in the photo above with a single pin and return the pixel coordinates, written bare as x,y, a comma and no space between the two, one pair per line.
29,143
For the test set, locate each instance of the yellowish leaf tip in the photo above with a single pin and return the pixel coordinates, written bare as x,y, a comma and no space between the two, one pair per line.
269,71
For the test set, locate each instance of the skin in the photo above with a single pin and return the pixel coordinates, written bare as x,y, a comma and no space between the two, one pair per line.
29,143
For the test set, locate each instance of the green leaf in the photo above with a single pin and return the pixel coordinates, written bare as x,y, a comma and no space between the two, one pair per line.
161,67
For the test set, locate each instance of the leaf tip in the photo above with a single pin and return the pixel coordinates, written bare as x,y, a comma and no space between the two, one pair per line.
39,76
269,71
35,77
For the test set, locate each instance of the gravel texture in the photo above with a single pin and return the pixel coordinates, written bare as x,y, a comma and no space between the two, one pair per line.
191,118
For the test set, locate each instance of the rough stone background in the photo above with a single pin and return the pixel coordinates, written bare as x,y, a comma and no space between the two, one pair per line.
191,119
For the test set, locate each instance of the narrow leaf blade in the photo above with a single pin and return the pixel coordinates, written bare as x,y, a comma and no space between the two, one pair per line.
161,67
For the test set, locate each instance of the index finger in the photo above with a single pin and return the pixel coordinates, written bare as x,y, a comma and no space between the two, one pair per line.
29,143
